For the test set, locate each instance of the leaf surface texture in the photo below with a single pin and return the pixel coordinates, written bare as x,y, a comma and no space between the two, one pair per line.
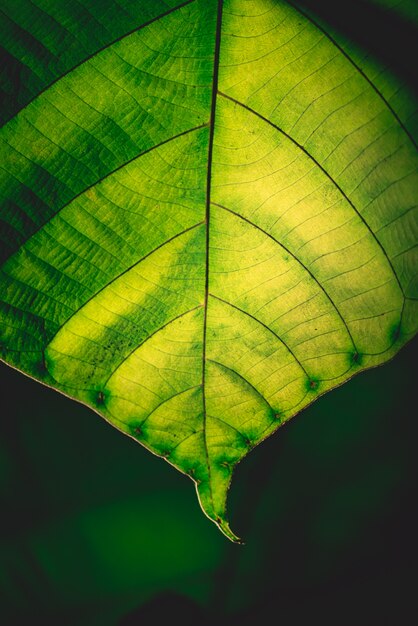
208,218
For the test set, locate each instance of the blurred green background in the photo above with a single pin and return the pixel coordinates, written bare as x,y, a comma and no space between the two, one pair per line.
96,530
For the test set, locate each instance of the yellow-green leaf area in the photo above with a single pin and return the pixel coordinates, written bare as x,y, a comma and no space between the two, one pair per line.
208,219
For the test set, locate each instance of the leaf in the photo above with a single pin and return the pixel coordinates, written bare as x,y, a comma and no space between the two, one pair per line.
208,218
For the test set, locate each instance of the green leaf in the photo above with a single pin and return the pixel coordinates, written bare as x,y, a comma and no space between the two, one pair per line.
207,218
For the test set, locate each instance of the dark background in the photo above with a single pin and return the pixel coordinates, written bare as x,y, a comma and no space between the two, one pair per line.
94,527
95,531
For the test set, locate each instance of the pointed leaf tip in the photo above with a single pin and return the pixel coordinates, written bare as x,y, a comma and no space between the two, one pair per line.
212,499
226,530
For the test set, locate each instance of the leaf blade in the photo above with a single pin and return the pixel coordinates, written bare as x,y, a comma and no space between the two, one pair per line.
210,225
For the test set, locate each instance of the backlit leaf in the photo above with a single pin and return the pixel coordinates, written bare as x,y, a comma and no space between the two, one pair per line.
207,217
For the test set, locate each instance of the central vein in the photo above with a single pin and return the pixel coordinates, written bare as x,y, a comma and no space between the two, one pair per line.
208,191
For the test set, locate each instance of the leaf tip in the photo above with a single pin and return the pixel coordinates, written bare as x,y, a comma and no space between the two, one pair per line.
226,530
213,503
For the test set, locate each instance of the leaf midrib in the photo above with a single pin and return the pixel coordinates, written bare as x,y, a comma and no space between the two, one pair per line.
215,80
